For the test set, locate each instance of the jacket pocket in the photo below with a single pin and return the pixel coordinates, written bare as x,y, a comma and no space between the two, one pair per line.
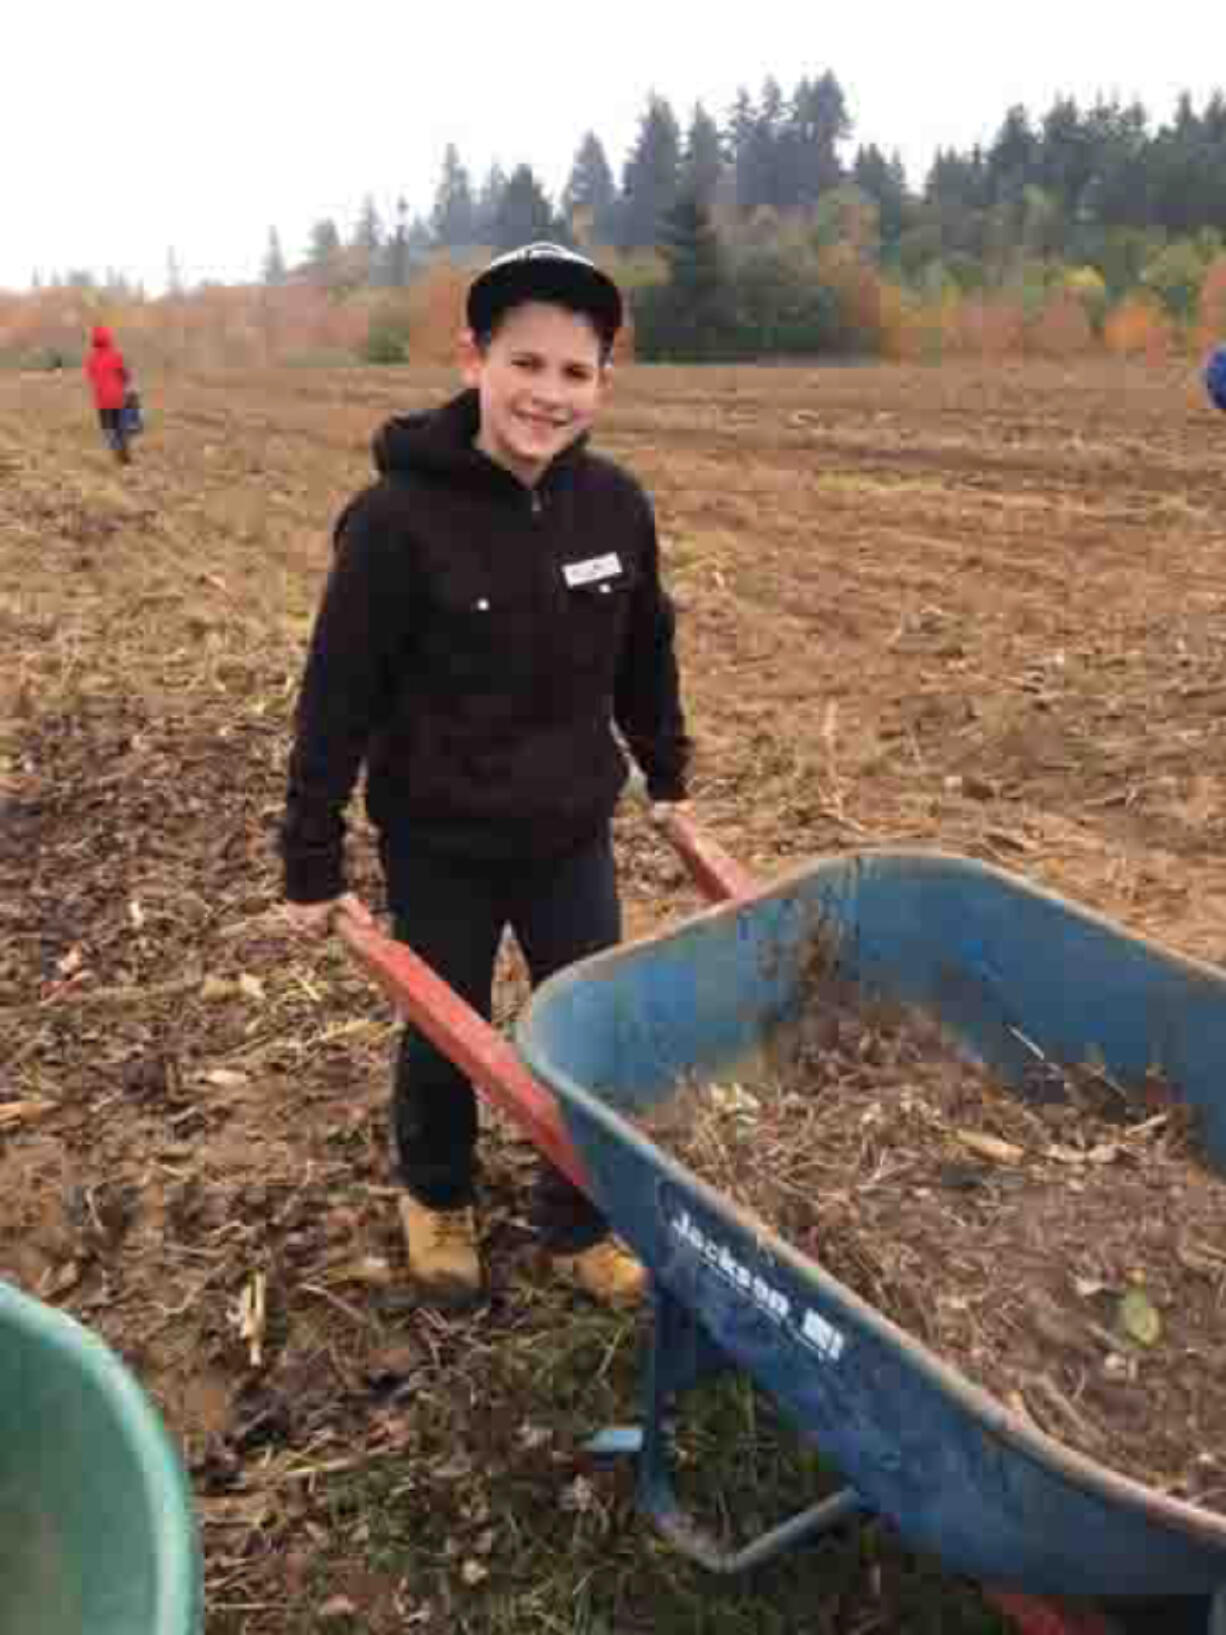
596,614
472,636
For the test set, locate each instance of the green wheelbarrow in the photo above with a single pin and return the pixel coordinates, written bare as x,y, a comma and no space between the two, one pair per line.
97,1531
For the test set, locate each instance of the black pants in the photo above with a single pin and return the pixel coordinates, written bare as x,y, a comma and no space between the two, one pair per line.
111,421
452,914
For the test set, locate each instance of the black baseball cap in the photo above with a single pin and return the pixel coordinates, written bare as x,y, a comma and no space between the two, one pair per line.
544,272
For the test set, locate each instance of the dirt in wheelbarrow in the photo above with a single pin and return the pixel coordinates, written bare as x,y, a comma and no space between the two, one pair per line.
1064,1247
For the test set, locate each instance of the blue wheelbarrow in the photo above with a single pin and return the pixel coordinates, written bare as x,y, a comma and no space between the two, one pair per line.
97,1532
1007,967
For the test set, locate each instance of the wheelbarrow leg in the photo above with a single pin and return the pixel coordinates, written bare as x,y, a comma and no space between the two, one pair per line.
682,1352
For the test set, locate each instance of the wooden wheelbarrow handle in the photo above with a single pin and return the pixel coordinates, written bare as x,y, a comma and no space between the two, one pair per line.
468,1040
718,876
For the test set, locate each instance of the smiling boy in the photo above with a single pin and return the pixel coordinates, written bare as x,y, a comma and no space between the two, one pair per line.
493,610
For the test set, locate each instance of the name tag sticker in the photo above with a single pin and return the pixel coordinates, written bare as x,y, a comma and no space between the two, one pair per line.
592,571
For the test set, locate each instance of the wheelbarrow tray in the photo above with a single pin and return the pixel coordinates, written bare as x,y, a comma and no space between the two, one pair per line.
97,1531
1007,967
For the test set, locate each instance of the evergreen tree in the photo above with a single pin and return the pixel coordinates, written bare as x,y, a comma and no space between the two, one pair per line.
1213,127
1012,157
453,217
324,246
885,181
651,175
742,122
368,230
274,269
1065,158
816,126
691,248
956,198
489,202
590,194
366,246
1116,195
703,162
771,181
1184,171
1213,120
419,240
524,213
395,259
689,317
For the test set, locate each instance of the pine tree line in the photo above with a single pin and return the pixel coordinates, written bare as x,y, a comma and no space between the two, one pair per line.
1094,184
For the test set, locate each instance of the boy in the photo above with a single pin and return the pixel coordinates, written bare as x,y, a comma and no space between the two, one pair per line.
493,608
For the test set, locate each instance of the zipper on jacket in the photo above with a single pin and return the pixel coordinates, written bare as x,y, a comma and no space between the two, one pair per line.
535,503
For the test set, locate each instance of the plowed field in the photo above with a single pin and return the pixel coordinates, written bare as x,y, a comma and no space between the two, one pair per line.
975,609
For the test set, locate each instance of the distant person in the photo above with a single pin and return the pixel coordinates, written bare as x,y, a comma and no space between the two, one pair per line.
1215,377
493,610
109,377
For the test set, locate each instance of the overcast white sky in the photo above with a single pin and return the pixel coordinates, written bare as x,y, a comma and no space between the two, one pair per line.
129,129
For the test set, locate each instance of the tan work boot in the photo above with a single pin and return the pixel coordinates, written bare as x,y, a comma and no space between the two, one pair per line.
607,1271
442,1251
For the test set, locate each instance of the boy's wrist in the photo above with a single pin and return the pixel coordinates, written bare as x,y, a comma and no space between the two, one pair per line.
311,882
666,791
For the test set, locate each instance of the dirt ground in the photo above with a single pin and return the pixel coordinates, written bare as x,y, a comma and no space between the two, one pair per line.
974,608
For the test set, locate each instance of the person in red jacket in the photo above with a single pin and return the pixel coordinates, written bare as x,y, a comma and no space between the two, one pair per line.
108,375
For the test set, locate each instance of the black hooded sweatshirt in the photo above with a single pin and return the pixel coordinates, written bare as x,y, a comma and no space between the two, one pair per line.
476,641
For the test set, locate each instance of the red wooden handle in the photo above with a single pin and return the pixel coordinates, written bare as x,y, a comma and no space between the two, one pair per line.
718,876
468,1040
1033,1617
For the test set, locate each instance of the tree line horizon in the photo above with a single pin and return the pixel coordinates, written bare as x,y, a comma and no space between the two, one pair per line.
1055,182
775,232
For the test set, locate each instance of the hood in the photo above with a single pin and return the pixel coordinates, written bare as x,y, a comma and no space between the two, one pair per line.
101,336
434,441
440,443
